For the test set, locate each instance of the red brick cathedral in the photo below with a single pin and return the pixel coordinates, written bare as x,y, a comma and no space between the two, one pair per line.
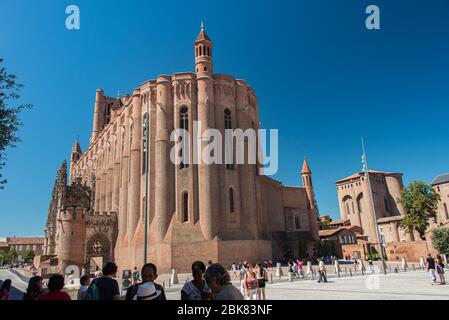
224,213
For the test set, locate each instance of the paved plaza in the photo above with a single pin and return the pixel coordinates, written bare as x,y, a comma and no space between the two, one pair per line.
393,286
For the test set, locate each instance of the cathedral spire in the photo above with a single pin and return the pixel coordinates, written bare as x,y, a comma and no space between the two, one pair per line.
305,167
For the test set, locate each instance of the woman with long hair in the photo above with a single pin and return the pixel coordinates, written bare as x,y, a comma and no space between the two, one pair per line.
35,289
262,277
4,291
440,269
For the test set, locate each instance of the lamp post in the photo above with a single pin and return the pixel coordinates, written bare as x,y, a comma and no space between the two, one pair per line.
145,140
379,241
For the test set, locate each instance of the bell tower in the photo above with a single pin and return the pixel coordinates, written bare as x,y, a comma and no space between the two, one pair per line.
203,54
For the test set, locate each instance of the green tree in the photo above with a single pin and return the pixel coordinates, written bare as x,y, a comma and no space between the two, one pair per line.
9,115
420,201
440,240
12,255
28,256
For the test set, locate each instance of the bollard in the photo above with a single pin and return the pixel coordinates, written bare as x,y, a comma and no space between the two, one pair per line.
174,277
346,271
421,263
279,272
413,267
363,271
163,285
337,268
309,269
271,278
290,276
350,272
404,264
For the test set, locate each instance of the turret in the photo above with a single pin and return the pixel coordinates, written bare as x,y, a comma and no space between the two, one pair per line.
99,109
74,157
306,175
203,54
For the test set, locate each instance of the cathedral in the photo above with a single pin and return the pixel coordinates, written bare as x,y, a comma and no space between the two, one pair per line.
219,212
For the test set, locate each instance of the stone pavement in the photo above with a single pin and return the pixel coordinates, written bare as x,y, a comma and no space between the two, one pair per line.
393,286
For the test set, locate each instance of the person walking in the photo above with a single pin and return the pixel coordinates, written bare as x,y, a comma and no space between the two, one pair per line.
5,289
149,274
371,265
243,271
84,282
300,268
105,287
322,271
34,289
440,269
262,278
134,275
55,286
219,281
234,270
431,268
250,283
196,289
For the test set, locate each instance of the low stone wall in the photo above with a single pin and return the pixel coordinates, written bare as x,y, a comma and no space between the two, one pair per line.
410,250
21,274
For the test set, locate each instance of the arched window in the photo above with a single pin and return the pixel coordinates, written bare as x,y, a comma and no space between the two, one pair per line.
208,51
231,200
347,201
185,207
201,50
184,124
360,202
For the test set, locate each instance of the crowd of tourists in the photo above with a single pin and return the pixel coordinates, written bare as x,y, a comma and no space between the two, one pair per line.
208,283
211,282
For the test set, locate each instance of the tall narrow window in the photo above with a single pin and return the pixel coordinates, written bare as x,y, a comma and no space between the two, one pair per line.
228,125
185,207
446,211
184,124
231,200
297,223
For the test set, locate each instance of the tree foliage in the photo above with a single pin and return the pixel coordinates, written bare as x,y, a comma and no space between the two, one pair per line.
28,256
420,201
440,240
9,115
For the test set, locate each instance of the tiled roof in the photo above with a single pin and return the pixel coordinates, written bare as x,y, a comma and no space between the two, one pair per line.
389,219
3,245
22,241
331,232
442,178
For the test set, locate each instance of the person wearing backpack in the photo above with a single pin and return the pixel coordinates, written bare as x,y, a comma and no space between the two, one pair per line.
105,287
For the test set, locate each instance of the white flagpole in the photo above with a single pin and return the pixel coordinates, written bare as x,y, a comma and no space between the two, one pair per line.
379,241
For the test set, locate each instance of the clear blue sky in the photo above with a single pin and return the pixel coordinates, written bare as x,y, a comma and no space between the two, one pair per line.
321,77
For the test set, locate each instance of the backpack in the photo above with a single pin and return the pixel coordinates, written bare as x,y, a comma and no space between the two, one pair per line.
93,292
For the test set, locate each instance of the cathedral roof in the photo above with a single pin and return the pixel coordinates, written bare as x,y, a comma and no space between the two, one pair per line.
442,178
